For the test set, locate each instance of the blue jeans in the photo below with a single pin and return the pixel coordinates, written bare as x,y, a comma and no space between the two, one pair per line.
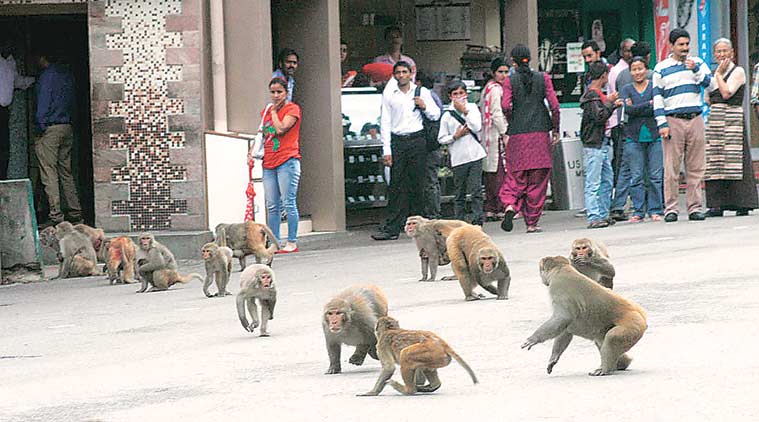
644,155
281,186
622,189
599,177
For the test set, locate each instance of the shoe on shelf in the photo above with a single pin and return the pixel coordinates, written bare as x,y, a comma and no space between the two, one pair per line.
635,219
598,224
656,217
697,216
507,224
671,217
715,212
618,215
742,212
384,236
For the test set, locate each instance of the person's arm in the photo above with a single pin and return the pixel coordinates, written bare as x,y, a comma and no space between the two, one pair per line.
596,110
431,110
282,126
44,98
553,103
728,88
445,136
496,112
640,109
703,74
21,82
473,117
659,112
385,122
507,105
755,87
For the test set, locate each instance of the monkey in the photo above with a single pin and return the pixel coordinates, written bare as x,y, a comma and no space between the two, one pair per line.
476,260
48,240
582,307
218,261
119,259
156,266
97,238
257,282
592,260
415,352
248,238
349,318
77,256
430,243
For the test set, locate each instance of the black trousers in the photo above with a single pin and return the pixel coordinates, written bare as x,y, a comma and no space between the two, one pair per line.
468,180
619,143
5,141
406,191
432,184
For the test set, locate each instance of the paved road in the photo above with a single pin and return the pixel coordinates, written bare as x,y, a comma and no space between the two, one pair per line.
81,350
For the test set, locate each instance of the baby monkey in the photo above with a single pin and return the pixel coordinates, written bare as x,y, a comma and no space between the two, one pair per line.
592,260
257,283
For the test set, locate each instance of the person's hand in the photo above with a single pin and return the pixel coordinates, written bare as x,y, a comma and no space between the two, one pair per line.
629,102
613,96
460,106
460,131
420,103
664,133
618,102
690,64
388,160
555,138
722,68
251,160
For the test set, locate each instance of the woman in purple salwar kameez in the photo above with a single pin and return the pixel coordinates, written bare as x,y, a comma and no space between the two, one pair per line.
528,152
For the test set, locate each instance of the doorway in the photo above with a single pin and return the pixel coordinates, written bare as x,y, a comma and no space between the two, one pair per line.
64,36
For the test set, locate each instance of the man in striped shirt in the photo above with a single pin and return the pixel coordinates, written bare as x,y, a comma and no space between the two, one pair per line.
678,82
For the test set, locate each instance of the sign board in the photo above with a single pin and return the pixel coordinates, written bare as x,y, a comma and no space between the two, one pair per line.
575,62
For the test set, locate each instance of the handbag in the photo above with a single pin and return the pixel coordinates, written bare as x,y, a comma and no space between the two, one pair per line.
257,151
431,127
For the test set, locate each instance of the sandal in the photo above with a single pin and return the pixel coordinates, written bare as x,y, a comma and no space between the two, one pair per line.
656,217
534,229
635,219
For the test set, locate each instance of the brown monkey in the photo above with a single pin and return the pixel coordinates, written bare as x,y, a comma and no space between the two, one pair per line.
430,243
76,253
476,260
415,352
581,307
257,283
96,236
119,262
218,260
349,318
156,266
592,259
248,238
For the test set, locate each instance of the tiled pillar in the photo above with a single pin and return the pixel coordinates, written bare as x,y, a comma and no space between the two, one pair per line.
145,75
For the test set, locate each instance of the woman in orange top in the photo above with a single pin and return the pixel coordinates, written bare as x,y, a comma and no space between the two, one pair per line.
281,162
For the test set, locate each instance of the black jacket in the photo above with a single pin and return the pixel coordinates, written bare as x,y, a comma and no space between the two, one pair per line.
595,113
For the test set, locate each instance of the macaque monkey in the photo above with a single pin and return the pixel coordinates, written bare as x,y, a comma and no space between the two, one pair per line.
592,259
97,238
430,243
582,307
156,266
119,259
248,238
257,283
415,352
349,318
76,253
218,260
476,260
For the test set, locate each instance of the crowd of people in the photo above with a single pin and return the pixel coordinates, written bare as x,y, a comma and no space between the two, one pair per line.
641,129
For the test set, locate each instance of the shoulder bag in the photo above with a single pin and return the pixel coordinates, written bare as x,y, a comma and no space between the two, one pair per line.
258,142
431,127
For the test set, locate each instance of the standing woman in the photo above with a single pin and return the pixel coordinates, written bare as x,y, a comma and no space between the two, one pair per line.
730,183
642,149
528,152
493,139
281,162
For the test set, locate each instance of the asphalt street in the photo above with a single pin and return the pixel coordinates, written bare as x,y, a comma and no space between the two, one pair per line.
82,350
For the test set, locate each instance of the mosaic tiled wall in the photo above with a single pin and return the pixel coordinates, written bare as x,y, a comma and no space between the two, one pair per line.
145,57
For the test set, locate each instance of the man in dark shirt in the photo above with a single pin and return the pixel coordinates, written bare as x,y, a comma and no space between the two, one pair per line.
55,106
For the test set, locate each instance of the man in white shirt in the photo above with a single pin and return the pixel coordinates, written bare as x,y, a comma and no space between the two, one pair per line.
9,80
404,148
619,165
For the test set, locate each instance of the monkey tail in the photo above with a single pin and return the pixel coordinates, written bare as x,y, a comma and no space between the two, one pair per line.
442,228
188,277
241,311
463,364
273,239
222,240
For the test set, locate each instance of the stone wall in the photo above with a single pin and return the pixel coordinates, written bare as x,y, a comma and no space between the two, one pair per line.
146,121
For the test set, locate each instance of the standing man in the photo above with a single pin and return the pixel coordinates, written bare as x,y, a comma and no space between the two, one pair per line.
619,164
394,39
9,80
55,106
591,53
678,81
404,148
287,64
434,158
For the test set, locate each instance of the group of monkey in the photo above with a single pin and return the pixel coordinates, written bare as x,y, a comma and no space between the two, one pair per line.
580,289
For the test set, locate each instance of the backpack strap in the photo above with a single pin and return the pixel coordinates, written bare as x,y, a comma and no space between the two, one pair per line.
461,120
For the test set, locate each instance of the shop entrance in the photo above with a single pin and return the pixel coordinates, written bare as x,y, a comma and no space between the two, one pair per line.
66,37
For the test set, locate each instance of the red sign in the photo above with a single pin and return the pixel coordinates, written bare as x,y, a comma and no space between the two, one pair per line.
661,22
